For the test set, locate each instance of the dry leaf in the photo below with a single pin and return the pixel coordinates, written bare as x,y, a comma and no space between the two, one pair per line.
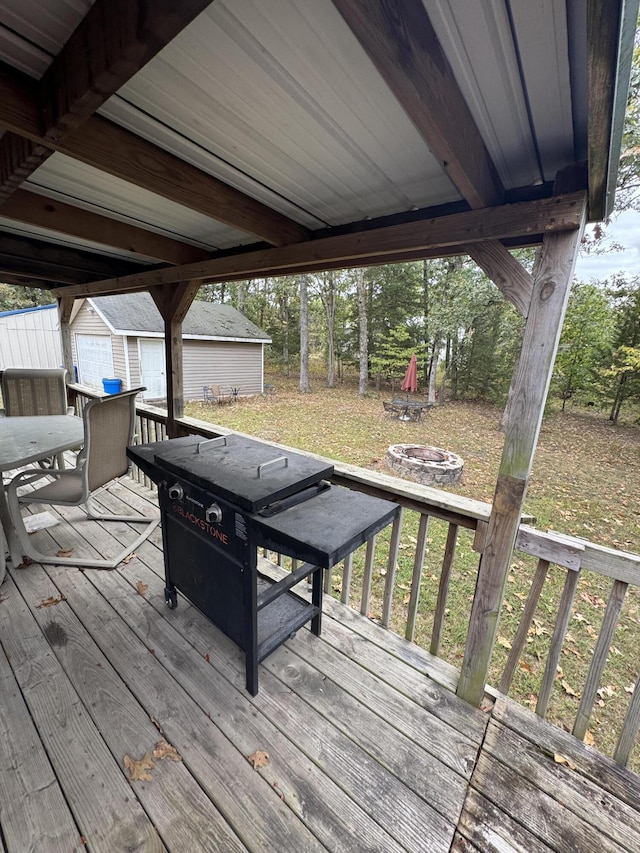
568,689
629,689
64,552
259,758
525,666
502,641
141,587
562,759
129,558
49,602
589,738
156,724
138,768
165,750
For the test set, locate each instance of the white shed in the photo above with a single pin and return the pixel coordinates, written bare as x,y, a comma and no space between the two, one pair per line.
122,337
30,337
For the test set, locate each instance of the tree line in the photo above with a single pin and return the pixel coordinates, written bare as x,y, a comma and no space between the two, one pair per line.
465,335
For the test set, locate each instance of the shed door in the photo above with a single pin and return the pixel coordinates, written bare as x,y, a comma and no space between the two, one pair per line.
95,359
152,369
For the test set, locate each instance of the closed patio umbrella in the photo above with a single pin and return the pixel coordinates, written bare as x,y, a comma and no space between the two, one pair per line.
410,381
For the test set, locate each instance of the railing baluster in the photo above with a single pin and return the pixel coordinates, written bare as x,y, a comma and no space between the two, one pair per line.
599,659
523,626
392,563
416,579
443,588
347,572
367,576
630,729
559,633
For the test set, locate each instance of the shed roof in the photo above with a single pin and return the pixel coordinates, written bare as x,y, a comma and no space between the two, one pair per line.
136,314
207,130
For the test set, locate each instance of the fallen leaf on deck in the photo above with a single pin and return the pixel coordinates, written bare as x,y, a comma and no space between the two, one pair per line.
156,724
138,768
49,602
129,558
64,552
165,750
141,587
562,759
260,758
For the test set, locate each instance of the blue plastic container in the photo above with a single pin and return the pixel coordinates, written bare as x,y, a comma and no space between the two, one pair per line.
112,386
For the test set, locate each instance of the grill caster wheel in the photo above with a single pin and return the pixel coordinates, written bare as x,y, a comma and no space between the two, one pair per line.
171,598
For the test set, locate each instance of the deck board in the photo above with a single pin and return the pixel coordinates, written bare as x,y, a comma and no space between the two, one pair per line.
369,748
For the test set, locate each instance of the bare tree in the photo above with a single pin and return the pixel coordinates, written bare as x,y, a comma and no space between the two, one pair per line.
305,388
364,332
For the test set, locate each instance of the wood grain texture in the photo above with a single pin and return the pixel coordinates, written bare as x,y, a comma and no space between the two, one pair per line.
561,213
530,386
33,812
367,750
508,274
45,212
181,812
401,42
106,146
94,785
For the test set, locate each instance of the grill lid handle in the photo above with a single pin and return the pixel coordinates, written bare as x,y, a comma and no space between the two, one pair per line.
222,438
264,465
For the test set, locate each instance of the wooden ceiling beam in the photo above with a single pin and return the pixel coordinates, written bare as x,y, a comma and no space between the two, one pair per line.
104,145
114,40
401,42
398,37
385,244
44,212
37,259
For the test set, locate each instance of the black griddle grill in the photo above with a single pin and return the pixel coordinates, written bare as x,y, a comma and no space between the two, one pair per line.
220,500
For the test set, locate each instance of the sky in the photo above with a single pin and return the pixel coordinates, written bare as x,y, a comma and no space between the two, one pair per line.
624,229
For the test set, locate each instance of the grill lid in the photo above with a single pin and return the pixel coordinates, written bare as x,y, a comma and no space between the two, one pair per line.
242,470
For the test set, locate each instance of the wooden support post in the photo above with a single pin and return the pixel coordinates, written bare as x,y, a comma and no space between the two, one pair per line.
65,308
531,383
173,302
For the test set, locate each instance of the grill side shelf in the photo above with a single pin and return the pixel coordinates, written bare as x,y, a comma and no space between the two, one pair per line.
324,529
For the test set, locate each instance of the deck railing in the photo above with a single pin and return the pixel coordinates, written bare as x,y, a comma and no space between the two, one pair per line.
371,582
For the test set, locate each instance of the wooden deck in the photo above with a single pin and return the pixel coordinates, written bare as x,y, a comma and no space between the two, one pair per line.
368,747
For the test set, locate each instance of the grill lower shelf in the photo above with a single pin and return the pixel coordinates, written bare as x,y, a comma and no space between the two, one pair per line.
281,618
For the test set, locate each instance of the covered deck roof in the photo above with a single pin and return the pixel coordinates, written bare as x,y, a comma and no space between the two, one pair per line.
137,136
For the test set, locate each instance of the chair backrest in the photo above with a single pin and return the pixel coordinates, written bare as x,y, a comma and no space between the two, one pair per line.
109,425
38,391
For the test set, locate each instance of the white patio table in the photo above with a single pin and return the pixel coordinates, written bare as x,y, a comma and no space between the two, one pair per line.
26,440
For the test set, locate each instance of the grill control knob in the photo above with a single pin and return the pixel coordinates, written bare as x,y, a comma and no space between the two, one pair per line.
176,492
213,513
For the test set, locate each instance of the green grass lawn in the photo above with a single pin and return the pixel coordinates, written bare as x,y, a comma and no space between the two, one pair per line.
585,482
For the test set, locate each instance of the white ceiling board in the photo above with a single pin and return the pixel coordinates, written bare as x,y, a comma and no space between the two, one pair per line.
541,32
284,94
46,25
76,183
477,40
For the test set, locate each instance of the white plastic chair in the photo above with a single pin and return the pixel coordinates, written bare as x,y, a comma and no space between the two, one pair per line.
109,424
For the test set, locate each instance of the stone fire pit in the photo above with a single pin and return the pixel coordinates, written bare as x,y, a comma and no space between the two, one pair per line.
426,465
